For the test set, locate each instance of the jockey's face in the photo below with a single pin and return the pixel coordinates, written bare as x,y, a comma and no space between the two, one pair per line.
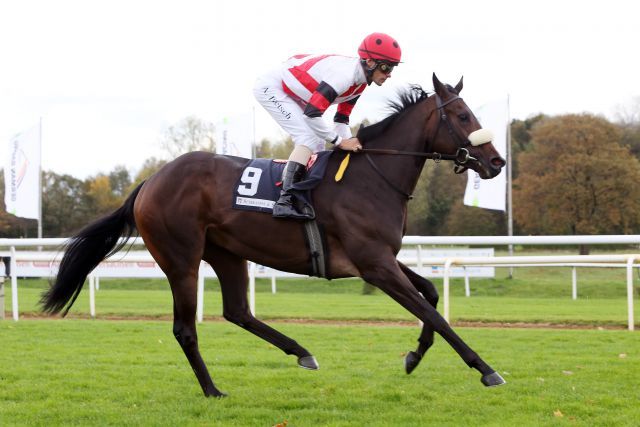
381,72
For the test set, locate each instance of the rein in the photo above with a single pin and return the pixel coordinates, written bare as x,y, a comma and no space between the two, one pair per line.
460,158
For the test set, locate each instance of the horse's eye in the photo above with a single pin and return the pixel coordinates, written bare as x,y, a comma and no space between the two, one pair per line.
464,117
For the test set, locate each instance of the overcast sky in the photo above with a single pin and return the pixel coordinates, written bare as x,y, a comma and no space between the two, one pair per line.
107,77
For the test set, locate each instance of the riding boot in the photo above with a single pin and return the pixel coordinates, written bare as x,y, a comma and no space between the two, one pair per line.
285,207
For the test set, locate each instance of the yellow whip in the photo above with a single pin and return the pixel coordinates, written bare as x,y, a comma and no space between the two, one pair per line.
342,168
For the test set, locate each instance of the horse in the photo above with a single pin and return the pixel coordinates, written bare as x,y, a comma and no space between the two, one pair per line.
183,214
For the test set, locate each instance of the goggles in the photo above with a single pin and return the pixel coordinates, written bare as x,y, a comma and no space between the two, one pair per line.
385,68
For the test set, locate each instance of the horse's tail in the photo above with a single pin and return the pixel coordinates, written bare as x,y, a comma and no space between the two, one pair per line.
84,251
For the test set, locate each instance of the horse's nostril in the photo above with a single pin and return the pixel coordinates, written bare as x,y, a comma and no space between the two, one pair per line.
498,162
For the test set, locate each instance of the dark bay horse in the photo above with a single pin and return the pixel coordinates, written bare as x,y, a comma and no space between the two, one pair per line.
184,215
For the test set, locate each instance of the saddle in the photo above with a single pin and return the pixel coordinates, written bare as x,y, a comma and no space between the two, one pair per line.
258,189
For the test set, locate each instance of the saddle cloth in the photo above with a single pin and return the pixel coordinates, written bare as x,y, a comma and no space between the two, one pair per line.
257,188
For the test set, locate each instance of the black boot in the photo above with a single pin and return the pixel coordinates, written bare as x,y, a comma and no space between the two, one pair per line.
285,207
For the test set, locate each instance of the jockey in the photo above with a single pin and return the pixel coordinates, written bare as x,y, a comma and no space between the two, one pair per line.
297,94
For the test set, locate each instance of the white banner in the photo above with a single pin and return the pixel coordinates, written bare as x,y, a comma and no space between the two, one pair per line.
234,135
410,257
491,193
22,174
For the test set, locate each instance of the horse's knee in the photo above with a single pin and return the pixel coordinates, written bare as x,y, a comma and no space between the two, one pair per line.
433,299
429,292
238,317
184,336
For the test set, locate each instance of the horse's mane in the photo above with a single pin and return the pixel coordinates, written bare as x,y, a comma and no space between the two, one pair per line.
407,97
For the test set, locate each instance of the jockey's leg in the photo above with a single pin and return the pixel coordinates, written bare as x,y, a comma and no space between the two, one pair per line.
293,172
289,114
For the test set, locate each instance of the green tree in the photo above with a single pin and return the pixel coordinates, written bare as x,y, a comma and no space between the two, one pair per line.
472,221
444,189
263,150
577,179
100,195
150,166
283,149
190,134
120,181
521,138
438,209
65,206
418,207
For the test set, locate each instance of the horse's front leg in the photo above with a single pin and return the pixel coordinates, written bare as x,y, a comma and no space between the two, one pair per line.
425,341
387,275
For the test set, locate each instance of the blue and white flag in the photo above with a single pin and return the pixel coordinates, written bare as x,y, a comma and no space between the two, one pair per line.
22,174
490,193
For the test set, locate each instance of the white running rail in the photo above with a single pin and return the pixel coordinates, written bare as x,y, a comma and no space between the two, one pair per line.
629,261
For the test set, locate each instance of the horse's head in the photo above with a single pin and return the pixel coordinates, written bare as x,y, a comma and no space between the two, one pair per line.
456,130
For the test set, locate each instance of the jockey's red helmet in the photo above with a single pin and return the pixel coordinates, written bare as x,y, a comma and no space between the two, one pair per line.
381,47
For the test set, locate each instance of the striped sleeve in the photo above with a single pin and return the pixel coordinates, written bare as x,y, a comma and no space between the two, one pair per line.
344,111
320,100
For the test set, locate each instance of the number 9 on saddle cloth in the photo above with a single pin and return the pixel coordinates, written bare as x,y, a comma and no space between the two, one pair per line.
258,188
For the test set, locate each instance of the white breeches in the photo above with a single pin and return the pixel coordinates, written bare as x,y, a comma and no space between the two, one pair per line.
286,112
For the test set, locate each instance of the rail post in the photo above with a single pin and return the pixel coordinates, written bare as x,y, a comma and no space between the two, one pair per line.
273,281
14,284
445,286
630,323
467,288
252,288
92,296
200,296
1,297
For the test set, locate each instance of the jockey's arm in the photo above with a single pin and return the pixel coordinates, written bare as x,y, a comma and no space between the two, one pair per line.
320,100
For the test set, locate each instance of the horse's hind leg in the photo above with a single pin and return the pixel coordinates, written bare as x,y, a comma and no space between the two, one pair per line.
184,289
180,261
232,273
425,341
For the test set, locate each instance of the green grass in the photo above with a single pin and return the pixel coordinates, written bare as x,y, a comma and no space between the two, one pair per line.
132,372
81,372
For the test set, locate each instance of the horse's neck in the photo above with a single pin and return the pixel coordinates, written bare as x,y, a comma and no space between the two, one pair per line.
407,134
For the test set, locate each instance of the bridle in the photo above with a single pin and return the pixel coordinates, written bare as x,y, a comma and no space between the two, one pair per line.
460,158
462,152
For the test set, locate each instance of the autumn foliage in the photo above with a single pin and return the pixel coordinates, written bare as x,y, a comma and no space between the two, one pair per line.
576,178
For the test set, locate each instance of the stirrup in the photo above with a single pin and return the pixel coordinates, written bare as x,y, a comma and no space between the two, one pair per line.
287,210
286,207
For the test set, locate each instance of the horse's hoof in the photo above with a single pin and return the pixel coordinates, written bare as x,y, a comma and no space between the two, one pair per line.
308,362
492,380
217,394
411,361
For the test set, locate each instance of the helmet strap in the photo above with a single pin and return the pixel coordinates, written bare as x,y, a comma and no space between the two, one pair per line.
368,71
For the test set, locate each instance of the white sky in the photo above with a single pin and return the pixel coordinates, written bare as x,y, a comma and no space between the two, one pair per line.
107,77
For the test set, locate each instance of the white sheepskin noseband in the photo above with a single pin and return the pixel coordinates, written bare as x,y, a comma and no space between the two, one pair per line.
480,136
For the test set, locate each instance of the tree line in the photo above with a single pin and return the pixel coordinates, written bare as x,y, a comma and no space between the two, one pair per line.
572,174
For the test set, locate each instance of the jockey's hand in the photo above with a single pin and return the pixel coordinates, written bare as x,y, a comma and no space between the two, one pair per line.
350,144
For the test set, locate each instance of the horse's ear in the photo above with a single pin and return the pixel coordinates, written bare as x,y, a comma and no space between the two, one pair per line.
458,87
438,86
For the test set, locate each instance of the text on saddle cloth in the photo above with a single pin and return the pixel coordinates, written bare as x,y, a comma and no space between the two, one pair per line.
257,188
